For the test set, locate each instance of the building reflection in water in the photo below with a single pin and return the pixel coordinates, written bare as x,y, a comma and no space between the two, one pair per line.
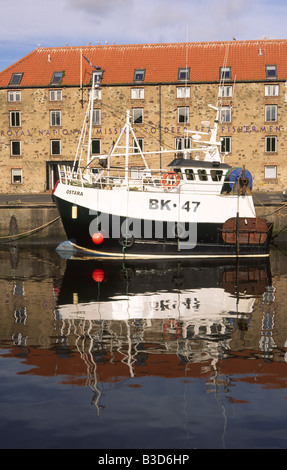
95,323
164,319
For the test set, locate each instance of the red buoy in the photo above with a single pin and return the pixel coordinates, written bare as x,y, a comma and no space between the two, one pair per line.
98,238
98,275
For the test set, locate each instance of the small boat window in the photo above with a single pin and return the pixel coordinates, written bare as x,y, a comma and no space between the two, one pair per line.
202,175
189,174
216,175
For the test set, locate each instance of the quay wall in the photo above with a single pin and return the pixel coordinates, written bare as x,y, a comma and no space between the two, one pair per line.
39,223
30,224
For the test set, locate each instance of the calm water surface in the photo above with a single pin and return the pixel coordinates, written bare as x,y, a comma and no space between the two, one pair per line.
110,355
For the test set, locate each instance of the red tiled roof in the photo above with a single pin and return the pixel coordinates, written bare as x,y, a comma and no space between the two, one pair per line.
248,60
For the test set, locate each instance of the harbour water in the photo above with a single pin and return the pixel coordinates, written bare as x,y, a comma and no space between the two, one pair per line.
142,355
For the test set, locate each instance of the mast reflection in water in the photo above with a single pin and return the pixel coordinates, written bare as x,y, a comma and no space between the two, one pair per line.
120,330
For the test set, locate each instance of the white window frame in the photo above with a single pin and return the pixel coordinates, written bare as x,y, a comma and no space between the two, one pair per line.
57,78
139,75
183,73
60,147
97,117
270,172
183,114
270,113
16,117
138,115
141,145
225,73
14,96
225,114
55,118
97,93
137,93
98,141
271,141
271,71
16,173
55,95
225,91
182,143
272,90
224,140
183,92
12,150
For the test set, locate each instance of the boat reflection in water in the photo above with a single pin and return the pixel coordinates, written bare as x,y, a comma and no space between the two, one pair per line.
129,319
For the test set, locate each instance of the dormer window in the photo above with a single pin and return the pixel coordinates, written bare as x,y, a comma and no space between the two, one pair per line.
183,73
225,73
98,74
16,79
271,71
57,78
139,75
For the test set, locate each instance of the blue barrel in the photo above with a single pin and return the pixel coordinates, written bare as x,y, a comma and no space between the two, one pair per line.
237,173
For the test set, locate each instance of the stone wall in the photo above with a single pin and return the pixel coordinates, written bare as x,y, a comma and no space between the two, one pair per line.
247,128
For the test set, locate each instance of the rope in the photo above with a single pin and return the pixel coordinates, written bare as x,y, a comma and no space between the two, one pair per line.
29,232
271,213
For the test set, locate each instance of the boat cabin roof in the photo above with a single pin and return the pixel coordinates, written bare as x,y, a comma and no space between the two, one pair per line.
189,163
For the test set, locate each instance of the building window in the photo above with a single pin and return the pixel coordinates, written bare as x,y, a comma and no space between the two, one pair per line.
271,71
15,118
137,93
182,143
16,176
271,113
225,73
225,114
55,147
271,144
14,96
183,92
57,78
137,172
55,118
16,79
138,116
270,172
96,146
271,90
225,91
97,93
225,145
56,95
140,145
96,117
184,73
15,148
183,114
98,74
139,75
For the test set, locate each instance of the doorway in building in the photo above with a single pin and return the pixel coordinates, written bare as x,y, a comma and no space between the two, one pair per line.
52,172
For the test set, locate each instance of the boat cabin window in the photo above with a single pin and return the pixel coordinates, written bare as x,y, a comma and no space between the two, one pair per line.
216,175
189,175
178,172
202,175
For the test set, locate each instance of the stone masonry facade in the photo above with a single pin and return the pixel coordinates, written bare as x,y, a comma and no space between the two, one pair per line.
40,125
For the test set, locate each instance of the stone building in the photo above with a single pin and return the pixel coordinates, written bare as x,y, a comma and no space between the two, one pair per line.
167,88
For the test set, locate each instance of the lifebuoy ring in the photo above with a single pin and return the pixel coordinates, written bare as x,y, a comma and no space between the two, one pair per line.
172,327
170,179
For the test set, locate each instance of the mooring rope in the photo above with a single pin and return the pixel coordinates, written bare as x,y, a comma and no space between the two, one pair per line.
28,233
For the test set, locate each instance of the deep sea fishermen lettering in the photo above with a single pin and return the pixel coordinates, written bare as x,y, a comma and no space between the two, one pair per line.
109,460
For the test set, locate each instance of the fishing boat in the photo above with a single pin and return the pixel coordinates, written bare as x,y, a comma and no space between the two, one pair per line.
197,207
